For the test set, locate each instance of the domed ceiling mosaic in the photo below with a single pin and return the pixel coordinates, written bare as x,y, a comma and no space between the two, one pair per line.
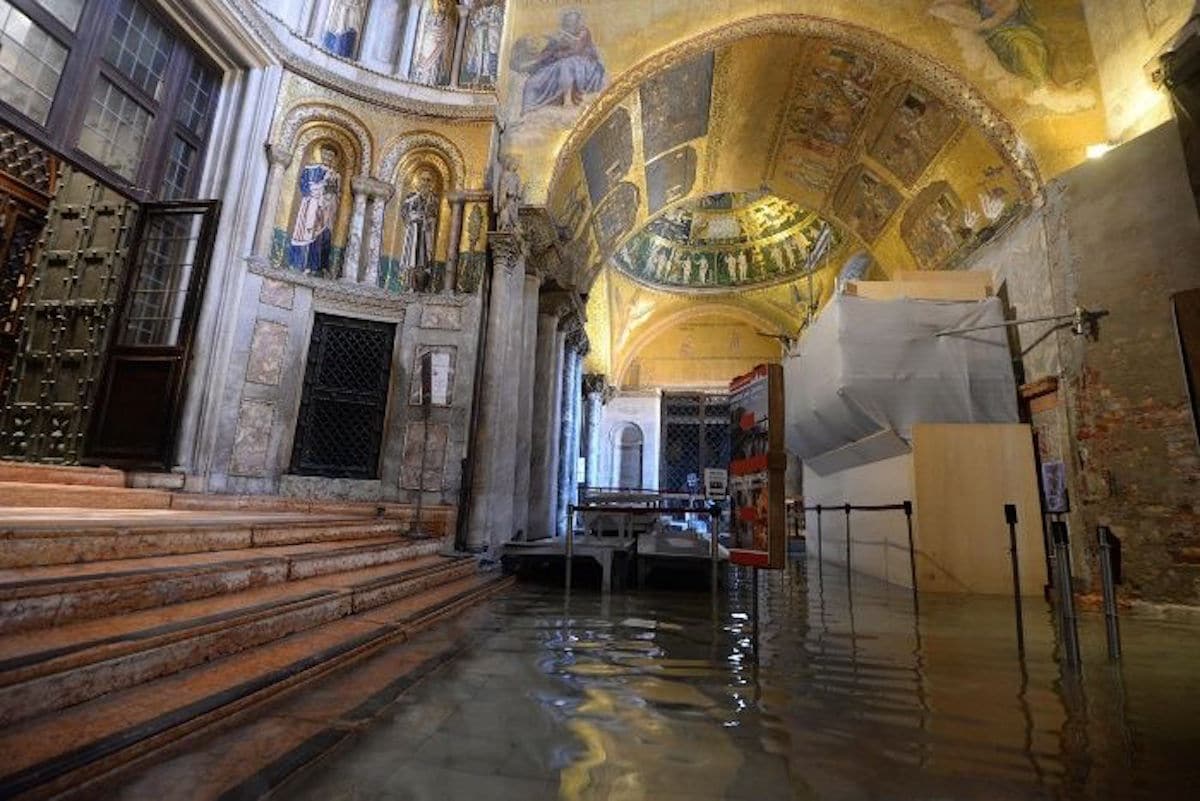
726,241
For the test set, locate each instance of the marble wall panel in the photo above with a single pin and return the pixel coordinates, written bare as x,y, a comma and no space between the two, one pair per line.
252,441
267,349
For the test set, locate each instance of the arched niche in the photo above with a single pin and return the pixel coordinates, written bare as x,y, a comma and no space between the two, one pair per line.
312,218
628,446
433,47
423,179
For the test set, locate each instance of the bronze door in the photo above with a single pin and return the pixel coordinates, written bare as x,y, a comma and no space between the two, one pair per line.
141,394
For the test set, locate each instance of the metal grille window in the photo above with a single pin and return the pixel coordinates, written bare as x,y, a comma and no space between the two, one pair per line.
166,257
115,129
139,47
112,84
345,398
695,436
31,63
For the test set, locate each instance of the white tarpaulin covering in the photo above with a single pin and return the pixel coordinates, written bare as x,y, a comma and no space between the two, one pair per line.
868,366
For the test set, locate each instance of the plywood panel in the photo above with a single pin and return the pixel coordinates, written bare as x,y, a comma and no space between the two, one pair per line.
919,290
963,475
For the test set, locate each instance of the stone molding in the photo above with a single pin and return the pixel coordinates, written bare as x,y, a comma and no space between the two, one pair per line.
372,187
297,116
278,154
355,297
404,144
481,105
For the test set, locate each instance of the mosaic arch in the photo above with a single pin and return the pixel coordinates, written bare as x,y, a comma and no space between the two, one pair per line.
728,241
900,155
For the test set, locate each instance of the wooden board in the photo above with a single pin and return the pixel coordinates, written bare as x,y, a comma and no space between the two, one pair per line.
920,290
964,474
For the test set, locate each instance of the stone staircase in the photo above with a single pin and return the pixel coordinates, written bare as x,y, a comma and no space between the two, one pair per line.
124,629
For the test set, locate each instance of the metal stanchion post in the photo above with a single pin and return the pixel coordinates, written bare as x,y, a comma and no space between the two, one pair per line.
912,555
819,555
570,546
1104,535
1010,517
1066,596
848,553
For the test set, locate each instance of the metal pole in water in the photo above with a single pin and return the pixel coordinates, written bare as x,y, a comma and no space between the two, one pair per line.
1066,596
1104,535
1010,517
847,508
912,555
570,547
819,558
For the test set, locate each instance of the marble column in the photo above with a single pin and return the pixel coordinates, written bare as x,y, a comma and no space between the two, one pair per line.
577,427
352,260
566,465
464,16
593,394
547,414
494,471
525,365
411,19
450,281
280,158
378,196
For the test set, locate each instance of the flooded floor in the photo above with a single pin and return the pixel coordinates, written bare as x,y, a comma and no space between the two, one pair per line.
815,688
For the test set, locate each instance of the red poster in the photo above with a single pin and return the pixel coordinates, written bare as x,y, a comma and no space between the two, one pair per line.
756,469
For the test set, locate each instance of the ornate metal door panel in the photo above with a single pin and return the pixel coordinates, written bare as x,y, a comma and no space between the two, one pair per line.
26,183
137,410
65,319
344,404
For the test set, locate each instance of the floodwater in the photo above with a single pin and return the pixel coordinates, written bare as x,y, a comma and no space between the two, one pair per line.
809,686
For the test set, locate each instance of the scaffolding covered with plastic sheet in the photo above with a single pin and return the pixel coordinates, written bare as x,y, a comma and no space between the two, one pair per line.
868,369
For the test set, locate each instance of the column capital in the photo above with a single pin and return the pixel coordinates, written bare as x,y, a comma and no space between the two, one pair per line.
278,154
372,187
597,384
508,250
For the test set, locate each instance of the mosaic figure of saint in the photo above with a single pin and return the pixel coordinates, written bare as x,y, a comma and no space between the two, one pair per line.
481,48
419,215
310,248
564,70
1010,30
343,26
435,43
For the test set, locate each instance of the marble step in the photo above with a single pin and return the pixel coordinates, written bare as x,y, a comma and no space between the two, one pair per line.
39,597
64,753
33,473
67,539
49,495
51,669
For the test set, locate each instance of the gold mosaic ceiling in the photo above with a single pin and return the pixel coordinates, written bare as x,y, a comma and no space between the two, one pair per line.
866,140
727,241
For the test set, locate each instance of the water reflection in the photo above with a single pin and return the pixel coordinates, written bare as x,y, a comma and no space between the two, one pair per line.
802,686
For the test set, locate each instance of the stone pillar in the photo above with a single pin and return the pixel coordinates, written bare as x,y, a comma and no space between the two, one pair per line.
525,364
593,395
547,412
352,261
378,195
450,280
566,466
280,159
494,471
464,16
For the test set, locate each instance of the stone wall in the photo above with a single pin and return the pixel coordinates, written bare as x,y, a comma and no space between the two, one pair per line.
1120,233
643,409
266,379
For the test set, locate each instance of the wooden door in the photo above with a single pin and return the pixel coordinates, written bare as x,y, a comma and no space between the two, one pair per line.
137,409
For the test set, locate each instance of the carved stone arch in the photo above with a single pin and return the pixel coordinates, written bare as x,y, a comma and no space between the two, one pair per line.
424,140
300,116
